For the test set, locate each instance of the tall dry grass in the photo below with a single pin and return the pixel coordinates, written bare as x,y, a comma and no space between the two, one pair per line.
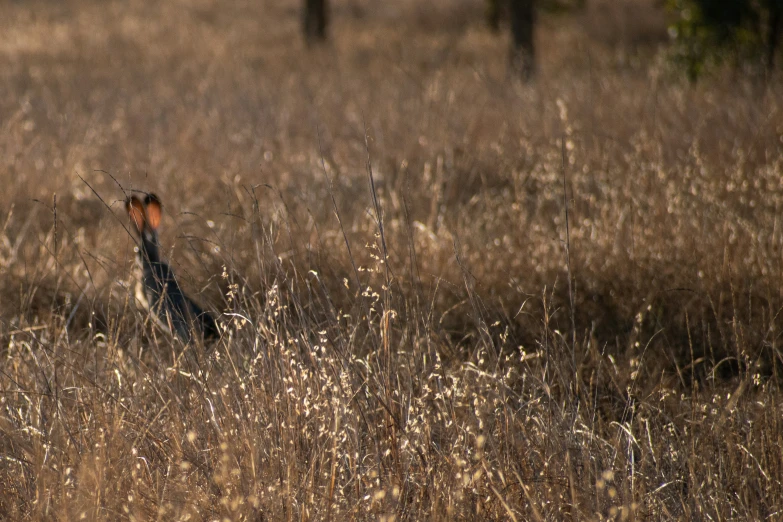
381,225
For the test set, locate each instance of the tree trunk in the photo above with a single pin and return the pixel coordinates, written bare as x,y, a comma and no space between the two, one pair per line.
522,55
315,20
773,35
492,14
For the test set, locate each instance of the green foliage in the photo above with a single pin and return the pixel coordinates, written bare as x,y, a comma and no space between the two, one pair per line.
709,32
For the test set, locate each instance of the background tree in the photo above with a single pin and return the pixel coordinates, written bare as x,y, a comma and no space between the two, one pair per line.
492,15
522,21
314,20
775,26
709,31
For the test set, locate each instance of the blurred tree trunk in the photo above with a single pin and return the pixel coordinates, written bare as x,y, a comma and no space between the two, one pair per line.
315,20
522,56
492,15
773,34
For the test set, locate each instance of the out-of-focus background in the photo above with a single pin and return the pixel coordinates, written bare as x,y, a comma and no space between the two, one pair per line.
538,246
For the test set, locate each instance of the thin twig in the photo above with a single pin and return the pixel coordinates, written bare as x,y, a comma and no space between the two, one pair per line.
568,262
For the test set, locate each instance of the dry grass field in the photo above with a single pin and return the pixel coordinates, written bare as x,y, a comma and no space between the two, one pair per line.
412,329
